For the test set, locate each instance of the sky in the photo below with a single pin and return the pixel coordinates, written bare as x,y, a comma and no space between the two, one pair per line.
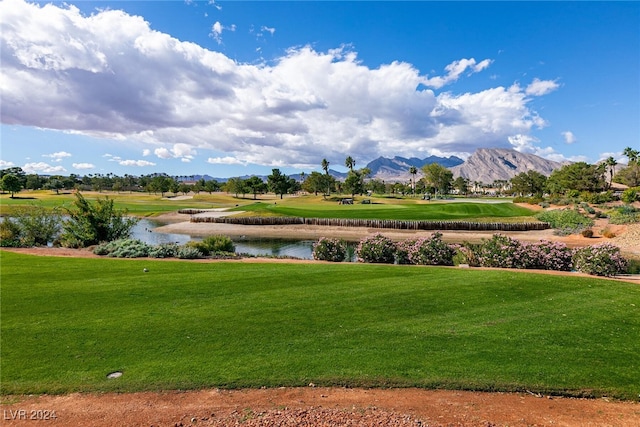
234,88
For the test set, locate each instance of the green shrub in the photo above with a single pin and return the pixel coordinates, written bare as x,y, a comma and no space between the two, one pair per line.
216,244
626,214
633,266
164,250
123,248
432,251
326,249
600,260
10,233
565,221
32,226
376,249
188,252
631,195
94,223
597,198
403,249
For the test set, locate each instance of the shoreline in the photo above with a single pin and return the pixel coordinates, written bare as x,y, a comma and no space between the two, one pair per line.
627,237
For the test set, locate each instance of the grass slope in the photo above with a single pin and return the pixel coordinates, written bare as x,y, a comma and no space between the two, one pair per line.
67,323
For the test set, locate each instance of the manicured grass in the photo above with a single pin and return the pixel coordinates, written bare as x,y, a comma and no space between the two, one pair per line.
407,211
139,204
67,323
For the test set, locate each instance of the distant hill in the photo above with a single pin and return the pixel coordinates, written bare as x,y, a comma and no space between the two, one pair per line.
397,168
490,164
485,165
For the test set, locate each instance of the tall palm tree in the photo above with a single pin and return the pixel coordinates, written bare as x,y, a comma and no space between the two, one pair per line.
631,154
611,162
413,171
350,163
325,166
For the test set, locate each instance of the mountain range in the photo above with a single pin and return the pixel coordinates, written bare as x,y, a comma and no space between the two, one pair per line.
484,165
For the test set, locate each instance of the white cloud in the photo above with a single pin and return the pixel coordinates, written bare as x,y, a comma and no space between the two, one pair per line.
178,151
305,106
216,31
5,164
541,87
225,161
57,157
568,136
455,70
528,144
42,167
83,166
139,163
269,30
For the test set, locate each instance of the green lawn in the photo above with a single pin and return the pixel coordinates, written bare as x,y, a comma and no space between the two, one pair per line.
410,210
139,204
143,204
67,323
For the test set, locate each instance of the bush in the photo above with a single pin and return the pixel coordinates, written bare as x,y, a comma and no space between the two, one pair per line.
32,226
606,232
547,255
376,249
214,245
626,214
325,249
565,221
587,232
503,252
403,249
597,198
631,195
164,250
432,251
10,233
468,253
123,248
600,260
94,223
188,252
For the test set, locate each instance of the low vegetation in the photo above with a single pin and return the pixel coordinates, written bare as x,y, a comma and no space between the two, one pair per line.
499,252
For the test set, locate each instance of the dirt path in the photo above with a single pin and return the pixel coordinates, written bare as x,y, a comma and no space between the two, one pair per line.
319,406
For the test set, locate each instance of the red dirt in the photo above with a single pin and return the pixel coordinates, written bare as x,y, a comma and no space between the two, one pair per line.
320,406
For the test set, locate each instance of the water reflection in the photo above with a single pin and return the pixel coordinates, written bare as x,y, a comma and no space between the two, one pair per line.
258,247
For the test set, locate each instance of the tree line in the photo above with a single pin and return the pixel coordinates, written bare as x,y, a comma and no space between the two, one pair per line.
436,180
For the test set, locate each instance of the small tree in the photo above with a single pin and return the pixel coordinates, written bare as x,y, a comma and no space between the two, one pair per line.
278,182
90,224
256,185
11,183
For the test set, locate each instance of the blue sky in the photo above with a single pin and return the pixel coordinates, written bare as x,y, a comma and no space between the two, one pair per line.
235,88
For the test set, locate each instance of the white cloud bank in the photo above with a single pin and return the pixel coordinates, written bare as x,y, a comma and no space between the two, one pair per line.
110,75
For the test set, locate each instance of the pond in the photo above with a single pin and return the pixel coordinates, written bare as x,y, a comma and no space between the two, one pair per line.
269,247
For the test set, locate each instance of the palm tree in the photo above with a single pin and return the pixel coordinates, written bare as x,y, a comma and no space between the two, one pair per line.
631,154
325,166
413,171
611,162
350,163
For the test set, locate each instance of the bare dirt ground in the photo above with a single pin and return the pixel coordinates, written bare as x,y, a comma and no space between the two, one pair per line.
316,406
